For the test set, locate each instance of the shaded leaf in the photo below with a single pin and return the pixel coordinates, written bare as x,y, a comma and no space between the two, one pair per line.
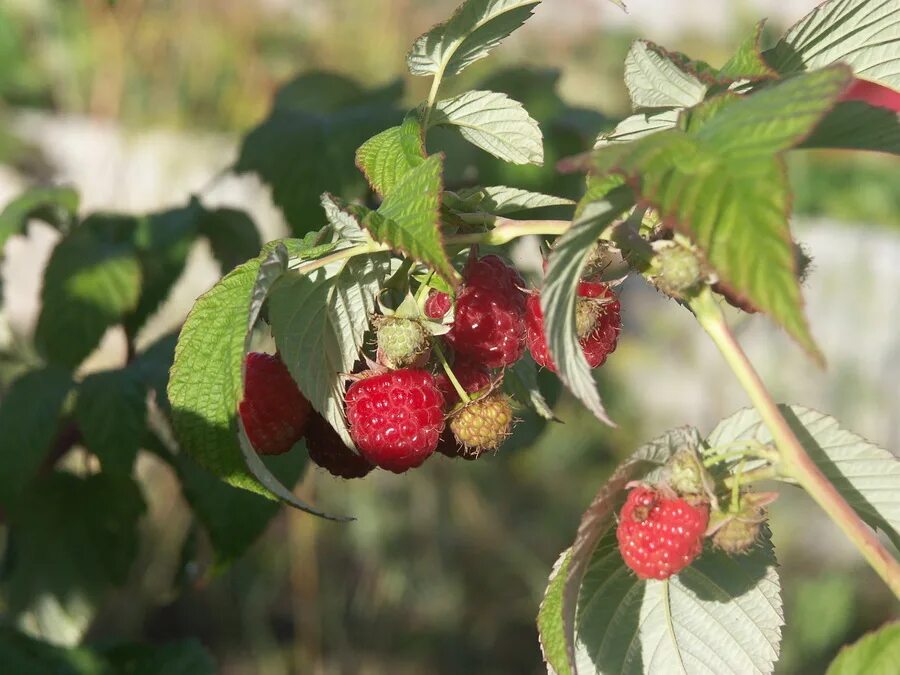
747,63
56,206
521,381
877,653
855,125
549,620
232,235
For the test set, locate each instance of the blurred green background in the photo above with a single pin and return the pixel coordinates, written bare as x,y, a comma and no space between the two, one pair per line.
141,102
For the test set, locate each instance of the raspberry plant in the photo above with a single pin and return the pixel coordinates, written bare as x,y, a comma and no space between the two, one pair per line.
406,329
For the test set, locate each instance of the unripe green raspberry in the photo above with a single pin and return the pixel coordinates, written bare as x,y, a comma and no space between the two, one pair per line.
483,424
401,342
686,474
676,269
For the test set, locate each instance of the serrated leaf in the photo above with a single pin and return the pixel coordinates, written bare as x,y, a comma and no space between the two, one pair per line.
501,200
111,411
549,620
521,381
639,125
855,125
187,657
343,224
409,220
877,653
152,365
71,539
495,123
386,158
306,145
232,236
29,417
56,206
24,655
747,63
469,35
90,284
722,182
598,520
319,321
720,615
566,262
656,81
862,33
867,476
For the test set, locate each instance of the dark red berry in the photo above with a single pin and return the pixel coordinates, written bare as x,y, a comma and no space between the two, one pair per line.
601,336
659,536
437,305
328,450
273,410
472,378
395,418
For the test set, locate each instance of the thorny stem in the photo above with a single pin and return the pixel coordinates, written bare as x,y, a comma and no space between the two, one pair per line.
795,462
463,394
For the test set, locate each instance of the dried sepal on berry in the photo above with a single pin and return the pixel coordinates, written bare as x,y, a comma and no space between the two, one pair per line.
736,531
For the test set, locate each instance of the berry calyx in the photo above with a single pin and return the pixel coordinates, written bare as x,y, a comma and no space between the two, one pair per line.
396,418
489,323
598,321
737,530
401,342
659,535
687,475
482,425
328,451
273,411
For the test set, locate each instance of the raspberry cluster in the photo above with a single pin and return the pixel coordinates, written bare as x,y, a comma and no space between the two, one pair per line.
436,381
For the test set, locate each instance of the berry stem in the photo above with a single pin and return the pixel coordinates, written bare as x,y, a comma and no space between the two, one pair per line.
795,462
463,394
761,453
508,229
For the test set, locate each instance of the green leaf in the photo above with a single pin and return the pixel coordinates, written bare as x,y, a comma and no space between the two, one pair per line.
722,182
319,321
469,35
867,476
656,81
598,521
111,412
862,33
90,284
521,381
495,123
747,63
24,655
501,200
56,206
71,540
29,418
307,144
567,259
549,620
721,615
152,365
233,518
856,125
232,235
205,380
187,657
877,653
409,218
639,125
387,158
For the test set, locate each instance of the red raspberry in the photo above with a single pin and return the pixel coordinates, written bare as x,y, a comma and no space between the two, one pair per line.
396,418
437,305
328,450
659,536
603,329
472,378
489,324
273,410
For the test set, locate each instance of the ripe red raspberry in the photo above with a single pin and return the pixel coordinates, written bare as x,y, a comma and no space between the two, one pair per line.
472,378
328,450
273,410
489,324
396,418
660,536
598,320
437,305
